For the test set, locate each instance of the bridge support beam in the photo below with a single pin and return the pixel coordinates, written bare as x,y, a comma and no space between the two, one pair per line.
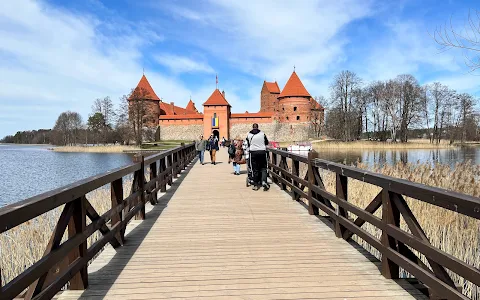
390,216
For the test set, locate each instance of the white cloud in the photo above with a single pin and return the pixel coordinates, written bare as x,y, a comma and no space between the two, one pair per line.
267,38
181,64
61,61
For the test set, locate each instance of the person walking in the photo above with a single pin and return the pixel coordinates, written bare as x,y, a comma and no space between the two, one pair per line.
213,148
257,145
200,146
235,153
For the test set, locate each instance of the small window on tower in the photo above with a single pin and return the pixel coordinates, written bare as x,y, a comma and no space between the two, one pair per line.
298,118
283,108
287,117
294,108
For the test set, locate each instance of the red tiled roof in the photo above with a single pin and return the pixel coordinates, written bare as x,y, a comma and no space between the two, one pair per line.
272,87
145,85
191,107
316,105
253,115
294,88
180,117
216,99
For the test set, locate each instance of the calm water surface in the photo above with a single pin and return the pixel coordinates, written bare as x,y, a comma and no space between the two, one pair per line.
26,171
449,156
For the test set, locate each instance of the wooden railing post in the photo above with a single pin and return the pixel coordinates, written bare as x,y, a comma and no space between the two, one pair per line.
116,194
283,166
175,164
153,176
296,172
390,215
341,191
163,183
274,163
312,209
182,155
76,226
141,187
170,165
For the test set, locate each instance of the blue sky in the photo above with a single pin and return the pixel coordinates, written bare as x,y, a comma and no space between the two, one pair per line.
61,55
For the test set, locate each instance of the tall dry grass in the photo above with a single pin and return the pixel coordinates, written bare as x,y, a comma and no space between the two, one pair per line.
95,149
25,244
356,145
451,232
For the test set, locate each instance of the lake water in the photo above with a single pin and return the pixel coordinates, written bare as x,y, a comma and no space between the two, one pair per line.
449,156
26,171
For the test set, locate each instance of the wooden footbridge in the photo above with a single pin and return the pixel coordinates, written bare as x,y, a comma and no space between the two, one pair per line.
188,231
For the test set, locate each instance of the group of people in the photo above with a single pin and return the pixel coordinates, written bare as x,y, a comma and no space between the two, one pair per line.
210,145
251,151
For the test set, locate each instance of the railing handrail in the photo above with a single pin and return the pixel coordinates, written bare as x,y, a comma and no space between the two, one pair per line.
395,243
461,203
69,259
19,212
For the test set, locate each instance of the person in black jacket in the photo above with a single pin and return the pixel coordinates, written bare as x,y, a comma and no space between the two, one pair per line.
257,144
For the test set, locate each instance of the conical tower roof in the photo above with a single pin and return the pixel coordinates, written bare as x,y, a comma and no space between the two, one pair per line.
145,85
216,99
294,88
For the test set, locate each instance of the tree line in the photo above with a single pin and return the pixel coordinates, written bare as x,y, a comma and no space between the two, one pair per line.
395,109
106,124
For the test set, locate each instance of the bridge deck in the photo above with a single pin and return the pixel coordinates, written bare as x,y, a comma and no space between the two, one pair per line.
211,237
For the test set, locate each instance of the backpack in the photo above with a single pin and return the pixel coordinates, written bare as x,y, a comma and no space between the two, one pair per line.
231,149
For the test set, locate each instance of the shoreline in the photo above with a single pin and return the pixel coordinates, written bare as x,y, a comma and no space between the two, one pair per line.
94,149
373,145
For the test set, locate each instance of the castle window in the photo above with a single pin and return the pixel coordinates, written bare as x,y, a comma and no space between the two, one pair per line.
283,108
298,118
287,117
295,109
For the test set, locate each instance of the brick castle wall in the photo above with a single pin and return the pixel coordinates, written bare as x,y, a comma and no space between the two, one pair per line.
275,131
180,132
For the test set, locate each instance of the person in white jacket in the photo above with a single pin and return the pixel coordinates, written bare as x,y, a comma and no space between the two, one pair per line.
257,147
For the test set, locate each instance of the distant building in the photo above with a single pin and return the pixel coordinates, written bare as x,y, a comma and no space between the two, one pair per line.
285,115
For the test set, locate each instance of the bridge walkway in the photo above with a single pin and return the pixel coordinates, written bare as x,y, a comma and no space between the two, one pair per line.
210,237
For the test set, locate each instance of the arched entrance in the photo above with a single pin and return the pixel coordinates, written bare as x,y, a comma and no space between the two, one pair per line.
216,133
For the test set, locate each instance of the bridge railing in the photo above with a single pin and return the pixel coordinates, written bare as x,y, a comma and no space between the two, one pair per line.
394,241
66,261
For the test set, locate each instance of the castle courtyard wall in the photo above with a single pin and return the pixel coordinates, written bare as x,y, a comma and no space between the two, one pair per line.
275,131
181,132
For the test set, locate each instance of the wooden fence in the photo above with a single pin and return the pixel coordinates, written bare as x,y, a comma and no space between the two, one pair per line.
67,261
393,242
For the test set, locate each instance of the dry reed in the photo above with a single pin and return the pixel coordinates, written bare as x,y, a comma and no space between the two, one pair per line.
451,232
25,244
95,149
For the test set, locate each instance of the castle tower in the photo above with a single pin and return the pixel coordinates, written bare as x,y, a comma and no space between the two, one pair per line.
268,96
144,92
216,115
294,102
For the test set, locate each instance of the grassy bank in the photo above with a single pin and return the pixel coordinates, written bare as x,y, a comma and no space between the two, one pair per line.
453,233
25,244
356,145
95,149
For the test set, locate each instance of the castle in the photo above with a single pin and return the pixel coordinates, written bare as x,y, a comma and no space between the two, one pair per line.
285,115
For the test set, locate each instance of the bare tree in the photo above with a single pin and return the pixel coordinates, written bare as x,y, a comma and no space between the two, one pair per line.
105,107
67,127
342,93
139,113
465,107
467,39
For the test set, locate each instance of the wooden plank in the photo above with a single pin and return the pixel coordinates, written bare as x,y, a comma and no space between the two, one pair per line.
251,244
